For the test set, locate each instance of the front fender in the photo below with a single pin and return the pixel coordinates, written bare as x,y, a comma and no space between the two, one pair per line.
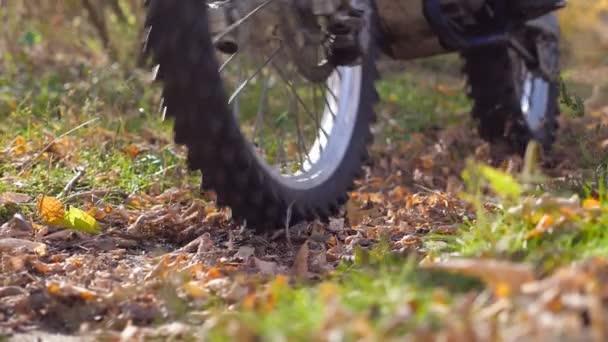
547,23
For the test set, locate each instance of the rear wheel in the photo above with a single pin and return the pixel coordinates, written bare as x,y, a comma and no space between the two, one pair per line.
278,132
512,102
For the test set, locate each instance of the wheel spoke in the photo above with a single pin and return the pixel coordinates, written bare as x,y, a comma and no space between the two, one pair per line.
240,88
293,90
228,61
237,23
301,145
259,119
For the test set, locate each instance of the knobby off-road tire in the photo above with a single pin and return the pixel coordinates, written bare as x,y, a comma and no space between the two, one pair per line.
499,88
179,41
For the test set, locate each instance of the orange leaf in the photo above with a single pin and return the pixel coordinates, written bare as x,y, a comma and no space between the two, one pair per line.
132,150
545,223
50,210
19,146
214,273
503,290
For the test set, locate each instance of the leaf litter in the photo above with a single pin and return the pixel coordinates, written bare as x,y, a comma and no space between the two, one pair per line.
119,267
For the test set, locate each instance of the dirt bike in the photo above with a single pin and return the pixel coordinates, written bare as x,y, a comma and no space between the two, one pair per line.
274,98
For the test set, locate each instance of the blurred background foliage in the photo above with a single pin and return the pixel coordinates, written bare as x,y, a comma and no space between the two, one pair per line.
585,29
95,32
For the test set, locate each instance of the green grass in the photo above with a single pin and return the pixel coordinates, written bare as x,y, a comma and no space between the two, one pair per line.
411,104
378,296
575,230
92,123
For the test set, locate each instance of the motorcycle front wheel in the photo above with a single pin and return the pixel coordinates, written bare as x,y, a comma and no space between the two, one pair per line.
280,138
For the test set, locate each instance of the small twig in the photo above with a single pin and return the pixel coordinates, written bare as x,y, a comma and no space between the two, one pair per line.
80,171
287,224
94,193
49,145
135,228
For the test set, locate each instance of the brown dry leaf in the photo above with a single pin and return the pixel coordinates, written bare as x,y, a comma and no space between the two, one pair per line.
96,213
357,216
399,193
447,90
13,197
10,244
244,252
17,227
50,210
266,267
300,266
60,147
427,161
502,276
132,150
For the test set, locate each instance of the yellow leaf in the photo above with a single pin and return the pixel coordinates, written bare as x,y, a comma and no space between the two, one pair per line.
195,289
591,204
50,210
79,220
20,146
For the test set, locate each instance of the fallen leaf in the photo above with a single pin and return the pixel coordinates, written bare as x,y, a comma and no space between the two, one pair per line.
19,146
195,289
300,266
502,276
13,197
266,267
132,150
61,289
17,227
543,226
50,210
10,244
79,220
591,204
214,273
244,252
